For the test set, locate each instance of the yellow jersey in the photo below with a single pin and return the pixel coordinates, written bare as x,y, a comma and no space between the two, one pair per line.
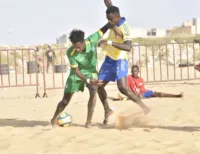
113,52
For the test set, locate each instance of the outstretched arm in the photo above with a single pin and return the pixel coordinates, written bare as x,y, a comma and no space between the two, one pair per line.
106,27
126,46
95,37
123,46
108,3
79,74
84,78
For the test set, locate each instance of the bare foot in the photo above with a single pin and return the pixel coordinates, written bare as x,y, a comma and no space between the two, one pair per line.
53,122
181,95
87,125
107,116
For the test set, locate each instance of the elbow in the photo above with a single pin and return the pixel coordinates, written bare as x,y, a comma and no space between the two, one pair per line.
75,70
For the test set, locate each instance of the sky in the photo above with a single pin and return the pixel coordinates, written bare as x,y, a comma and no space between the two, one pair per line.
41,21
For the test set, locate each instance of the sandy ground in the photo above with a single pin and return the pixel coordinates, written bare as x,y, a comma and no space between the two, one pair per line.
172,126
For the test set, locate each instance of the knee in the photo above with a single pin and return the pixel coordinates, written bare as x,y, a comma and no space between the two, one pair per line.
93,92
100,89
92,88
102,93
123,90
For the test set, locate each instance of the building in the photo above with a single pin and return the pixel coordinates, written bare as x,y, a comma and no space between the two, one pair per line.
62,39
196,23
187,23
187,28
138,32
157,32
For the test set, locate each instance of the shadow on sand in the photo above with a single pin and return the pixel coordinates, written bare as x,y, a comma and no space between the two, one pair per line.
22,123
32,123
150,127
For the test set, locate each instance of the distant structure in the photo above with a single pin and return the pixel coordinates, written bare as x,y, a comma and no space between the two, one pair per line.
138,32
196,24
157,32
62,39
187,28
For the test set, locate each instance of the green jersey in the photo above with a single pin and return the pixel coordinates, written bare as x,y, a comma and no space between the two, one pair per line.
85,61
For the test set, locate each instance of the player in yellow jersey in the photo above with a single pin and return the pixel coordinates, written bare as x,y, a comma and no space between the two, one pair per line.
115,66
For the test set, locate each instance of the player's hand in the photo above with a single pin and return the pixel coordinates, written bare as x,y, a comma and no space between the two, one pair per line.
108,3
118,32
96,82
102,42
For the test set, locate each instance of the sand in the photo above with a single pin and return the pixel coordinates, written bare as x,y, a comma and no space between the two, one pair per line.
172,127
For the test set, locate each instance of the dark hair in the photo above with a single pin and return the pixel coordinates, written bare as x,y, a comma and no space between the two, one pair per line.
136,67
112,9
76,36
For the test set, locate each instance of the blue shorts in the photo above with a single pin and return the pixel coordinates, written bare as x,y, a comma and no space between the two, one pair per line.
112,70
148,94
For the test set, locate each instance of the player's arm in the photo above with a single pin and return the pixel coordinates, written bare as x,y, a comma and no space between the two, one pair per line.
142,88
79,74
105,28
84,78
108,3
74,64
75,68
126,46
98,35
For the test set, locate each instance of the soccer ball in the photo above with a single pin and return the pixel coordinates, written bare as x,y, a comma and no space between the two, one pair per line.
122,97
64,120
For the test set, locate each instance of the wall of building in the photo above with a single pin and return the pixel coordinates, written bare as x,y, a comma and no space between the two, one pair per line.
188,28
196,23
138,32
62,39
160,32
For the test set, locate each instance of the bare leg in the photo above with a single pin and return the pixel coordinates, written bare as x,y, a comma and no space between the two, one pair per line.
159,94
103,97
124,90
91,103
61,106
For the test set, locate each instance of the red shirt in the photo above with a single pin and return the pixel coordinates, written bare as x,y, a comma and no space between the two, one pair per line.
136,84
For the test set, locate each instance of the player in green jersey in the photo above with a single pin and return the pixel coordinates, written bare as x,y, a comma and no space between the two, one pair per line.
82,56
